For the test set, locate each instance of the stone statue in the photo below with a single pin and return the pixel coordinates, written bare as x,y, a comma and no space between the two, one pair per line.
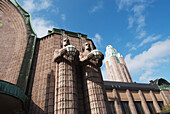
95,98
62,51
66,99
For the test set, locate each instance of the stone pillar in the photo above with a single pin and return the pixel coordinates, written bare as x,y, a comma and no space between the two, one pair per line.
122,73
110,72
165,96
122,61
95,94
117,102
56,91
143,102
66,95
129,78
131,103
155,103
67,90
115,68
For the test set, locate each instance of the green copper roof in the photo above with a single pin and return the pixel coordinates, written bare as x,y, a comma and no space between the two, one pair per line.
13,90
162,84
30,47
26,16
69,33
110,51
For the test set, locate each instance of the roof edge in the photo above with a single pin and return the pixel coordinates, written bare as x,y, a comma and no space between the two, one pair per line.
13,90
26,16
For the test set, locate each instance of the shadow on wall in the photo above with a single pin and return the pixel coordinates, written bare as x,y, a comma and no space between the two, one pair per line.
49,98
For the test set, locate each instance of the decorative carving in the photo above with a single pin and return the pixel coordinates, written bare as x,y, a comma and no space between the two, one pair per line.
68,50
95,99
66,96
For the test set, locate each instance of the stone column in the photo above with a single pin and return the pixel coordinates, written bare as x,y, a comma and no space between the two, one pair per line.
143,102
110,72
117,102
67,97
115,68
56,91
95,95
165,96
122,72
129,78
67,90
155,103
131,103
127,74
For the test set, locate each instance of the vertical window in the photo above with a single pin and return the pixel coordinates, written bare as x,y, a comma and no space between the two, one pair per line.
138,107
125,107
151,107
112,107
160,104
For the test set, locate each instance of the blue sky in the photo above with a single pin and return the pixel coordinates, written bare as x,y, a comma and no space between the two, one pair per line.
138,29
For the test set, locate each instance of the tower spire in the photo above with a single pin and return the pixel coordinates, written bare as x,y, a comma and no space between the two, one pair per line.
116,66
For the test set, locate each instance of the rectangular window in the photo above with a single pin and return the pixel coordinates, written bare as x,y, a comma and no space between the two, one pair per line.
125,107
160,104
138,107
112,107
151,107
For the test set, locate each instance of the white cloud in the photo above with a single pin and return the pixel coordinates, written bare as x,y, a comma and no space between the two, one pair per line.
55,10
44,4
41,26
150,38
136,18
131,21
132,46
29,5
141,34
168,36
141,23
139,19
63,17
96,7
97,40
146,77
127,3
138,9
36,5
147,61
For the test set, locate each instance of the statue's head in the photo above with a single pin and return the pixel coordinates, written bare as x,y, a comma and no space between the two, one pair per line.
66,42
87,46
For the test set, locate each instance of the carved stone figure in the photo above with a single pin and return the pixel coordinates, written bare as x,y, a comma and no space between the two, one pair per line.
95,98
66,89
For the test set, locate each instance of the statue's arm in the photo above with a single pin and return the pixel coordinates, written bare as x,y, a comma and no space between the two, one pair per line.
100,60
87,57
59,53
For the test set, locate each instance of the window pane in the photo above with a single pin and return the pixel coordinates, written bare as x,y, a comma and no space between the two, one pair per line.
160,104
125,107
112,107
151,107
139,108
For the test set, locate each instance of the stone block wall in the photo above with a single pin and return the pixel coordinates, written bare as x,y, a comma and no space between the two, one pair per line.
13,40
42,89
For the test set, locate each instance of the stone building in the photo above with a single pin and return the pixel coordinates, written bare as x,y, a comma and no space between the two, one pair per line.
126,96
60,73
